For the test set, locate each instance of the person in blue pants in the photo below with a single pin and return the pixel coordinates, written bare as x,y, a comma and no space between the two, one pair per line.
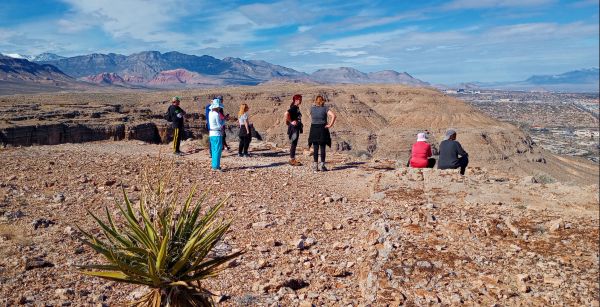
215,134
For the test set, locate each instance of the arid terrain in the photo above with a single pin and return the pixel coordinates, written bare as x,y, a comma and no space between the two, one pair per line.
521,228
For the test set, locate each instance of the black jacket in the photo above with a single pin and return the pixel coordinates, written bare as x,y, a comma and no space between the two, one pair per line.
449,152
176,114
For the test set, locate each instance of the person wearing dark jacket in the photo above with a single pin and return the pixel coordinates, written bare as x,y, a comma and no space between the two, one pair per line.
319,135
452,155
206,111
175,114
293,119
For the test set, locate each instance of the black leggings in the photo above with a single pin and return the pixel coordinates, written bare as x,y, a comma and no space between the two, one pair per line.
316,152
293,146
244,144
225,146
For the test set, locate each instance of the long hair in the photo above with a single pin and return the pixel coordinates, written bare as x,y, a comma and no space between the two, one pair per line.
320,101
296,97
243,109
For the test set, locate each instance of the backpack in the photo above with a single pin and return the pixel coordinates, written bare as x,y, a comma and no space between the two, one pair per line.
168,116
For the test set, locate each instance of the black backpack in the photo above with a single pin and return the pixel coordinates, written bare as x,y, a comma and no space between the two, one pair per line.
167,116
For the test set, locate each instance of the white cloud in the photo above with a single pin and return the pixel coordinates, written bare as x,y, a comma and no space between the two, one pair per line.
138,19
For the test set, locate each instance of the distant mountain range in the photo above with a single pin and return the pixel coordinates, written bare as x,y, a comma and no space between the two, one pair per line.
174,69
153,69
582,80
14,69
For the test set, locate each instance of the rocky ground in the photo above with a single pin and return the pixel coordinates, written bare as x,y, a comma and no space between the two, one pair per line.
368,232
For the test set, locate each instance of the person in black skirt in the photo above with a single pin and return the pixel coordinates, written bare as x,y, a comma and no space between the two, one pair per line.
319,135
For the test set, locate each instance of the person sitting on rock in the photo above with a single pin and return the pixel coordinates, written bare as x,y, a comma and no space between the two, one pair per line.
175,115
452,155
421,153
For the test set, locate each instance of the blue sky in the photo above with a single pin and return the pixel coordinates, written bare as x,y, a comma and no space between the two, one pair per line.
436,41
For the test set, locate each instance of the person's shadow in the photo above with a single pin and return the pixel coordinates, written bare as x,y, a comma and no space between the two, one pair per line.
275,164
347,166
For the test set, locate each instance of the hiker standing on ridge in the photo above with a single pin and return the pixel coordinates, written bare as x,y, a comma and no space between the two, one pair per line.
175,115
319,131
420,156
293,119
206,112
224,118
215,135
245,133
452,155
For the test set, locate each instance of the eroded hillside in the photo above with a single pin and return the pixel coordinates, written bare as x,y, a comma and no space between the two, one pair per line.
374,121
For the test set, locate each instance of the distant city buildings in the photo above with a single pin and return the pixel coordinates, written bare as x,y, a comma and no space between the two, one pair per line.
563,123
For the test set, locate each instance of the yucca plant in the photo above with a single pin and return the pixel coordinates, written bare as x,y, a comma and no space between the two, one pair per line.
161,245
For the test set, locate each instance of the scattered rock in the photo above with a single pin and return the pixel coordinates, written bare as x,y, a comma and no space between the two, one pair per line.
109,183
58,198
261,224
69,231
378,196
37,263
555,225
294,284
42,223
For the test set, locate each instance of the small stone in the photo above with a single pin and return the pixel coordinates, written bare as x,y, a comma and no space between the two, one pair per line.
37,263
328,199
58,197
43,223
294,284
336,197
424,264
305,304
69,231
261,225
64,294
430,206
110,182
327,226
556,282
378,196
309,242
555,225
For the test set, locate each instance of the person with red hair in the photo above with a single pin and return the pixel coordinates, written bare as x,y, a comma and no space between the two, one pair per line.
293,119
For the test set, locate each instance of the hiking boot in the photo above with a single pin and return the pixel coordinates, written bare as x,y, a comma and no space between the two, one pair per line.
315,167
294,162
322,167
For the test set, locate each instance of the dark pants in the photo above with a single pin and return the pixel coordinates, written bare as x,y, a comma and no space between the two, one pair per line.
293,146
225,141
316,152
244,144
462,164
177,136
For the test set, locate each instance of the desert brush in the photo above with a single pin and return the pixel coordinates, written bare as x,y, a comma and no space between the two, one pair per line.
162,246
